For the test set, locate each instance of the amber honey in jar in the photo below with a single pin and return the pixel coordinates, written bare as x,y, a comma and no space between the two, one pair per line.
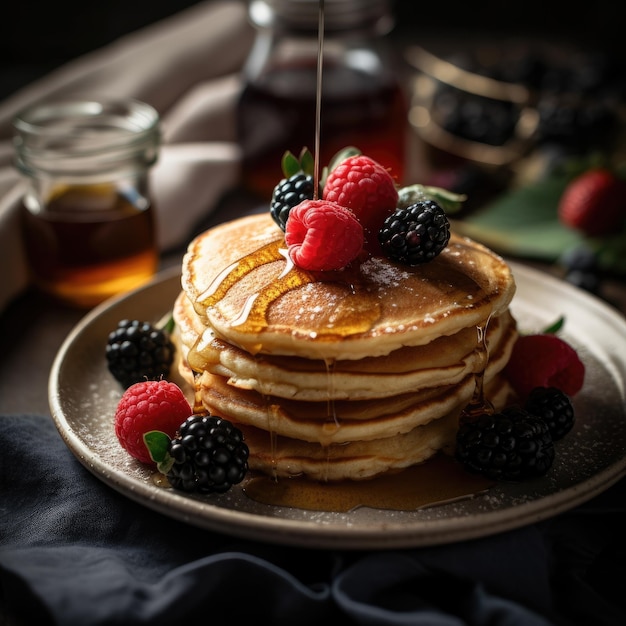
363,102
88,221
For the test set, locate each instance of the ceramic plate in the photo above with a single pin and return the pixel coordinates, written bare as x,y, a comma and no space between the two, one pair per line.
83,397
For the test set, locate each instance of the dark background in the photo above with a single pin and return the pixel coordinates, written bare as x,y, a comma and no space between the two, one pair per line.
36,37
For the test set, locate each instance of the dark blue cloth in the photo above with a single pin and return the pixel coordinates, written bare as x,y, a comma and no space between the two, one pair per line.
75,552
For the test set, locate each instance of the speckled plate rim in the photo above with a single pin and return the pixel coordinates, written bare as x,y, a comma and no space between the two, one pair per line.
596,327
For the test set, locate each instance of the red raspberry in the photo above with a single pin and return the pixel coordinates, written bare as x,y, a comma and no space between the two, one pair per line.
544,360
145,406
594,203
322,235
368,190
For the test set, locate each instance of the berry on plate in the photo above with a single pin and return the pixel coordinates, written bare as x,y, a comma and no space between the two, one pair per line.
509,445
147,406
208,455
137,351
594,203
366,188
554,407
544,360
322,236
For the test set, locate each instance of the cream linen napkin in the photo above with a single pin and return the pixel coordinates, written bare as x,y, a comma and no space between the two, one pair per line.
187,67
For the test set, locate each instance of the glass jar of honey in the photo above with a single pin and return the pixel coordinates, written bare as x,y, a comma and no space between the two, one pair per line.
363,102
88,221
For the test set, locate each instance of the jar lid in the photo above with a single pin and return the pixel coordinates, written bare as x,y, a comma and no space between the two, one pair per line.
339,15
86,137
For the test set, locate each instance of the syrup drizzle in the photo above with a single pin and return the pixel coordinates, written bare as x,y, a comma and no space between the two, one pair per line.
330,393
270,410
253,314
236,271
480,404
351,314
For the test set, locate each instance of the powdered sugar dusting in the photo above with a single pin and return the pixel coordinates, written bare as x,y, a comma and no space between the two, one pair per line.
382,272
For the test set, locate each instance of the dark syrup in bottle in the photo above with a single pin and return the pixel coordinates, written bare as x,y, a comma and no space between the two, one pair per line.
358,111
362,98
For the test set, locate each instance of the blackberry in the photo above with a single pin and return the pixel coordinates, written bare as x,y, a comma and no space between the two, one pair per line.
588,281
209,454
288,193
137,351
510,445
554,407
582,269
580,258
475,118
415,234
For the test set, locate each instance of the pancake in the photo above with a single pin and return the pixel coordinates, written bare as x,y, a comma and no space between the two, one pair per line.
358,460
242,285
444,361
283,457
344,374
331,420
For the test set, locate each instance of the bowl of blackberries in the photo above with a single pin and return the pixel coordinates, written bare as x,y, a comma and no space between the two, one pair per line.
482,110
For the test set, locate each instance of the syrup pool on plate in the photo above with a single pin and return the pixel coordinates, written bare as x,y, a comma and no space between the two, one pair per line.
436,481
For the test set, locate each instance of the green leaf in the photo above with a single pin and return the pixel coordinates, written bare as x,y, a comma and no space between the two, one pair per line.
337,158
555,327
169,325
157,443
165,465
342,155
524,222
290,164
449,201
166,323
307,162
323,177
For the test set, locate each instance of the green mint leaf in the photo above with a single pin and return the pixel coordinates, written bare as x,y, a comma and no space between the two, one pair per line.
323,178
410,195
166,323
554,327
169,325
448,200
342,155
157,443
290,164
307,162
166,465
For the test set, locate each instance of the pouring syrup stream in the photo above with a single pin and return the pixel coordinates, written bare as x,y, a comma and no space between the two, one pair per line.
318,99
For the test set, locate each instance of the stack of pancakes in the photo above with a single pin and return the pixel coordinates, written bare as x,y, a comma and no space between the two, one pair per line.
346,374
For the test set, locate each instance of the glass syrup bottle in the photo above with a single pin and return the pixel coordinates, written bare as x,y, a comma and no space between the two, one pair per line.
363,102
